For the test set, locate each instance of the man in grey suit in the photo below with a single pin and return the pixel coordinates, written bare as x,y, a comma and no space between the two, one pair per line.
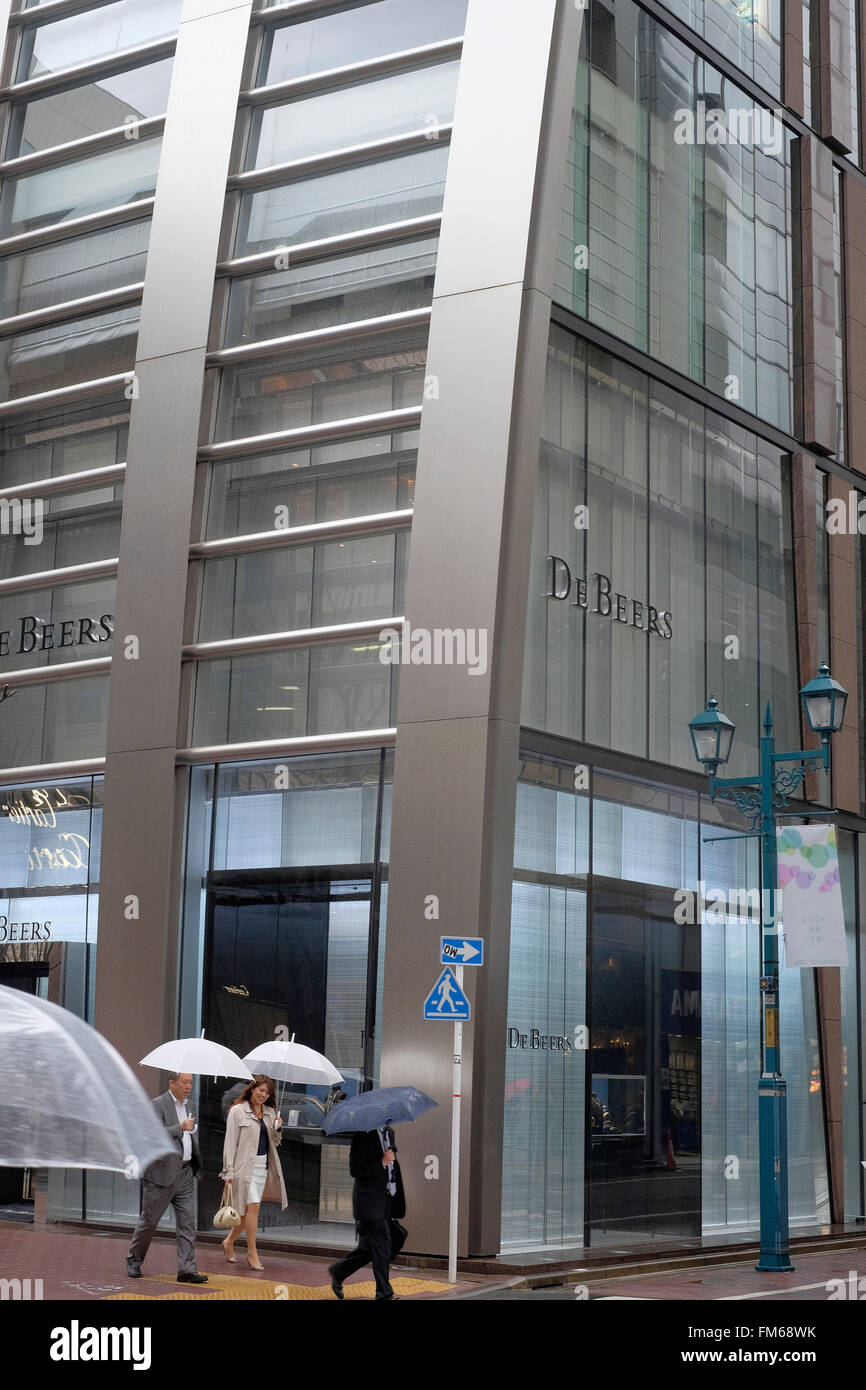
171,1181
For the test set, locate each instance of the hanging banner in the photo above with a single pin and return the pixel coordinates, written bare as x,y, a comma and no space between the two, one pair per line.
812,913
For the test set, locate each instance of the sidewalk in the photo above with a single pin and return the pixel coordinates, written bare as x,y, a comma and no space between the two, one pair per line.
87,1266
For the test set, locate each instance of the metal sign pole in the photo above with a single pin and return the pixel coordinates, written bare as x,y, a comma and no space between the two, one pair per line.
455,1142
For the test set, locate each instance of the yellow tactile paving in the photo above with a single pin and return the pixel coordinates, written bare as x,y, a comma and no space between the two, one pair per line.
228,1287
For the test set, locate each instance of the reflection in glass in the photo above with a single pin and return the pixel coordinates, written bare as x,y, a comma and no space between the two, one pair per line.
75,529
319,690
421,99
338,382
71,351
55,723
73,268
64,441
76,112
350,580
81,187
387,279
354,477
679,244
64,43
370,195
355,35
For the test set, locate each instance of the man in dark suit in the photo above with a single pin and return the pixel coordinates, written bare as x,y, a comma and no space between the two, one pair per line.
377,1199
171,1181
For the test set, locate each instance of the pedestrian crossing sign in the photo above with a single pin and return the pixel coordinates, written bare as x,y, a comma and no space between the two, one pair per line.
446,1000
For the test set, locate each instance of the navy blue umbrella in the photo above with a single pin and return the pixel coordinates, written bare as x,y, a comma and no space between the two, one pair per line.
372,1109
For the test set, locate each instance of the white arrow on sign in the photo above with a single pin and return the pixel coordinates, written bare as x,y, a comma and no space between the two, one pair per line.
467,951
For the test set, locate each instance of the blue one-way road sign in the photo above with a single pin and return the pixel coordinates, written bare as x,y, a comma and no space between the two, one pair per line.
446,1000
462,950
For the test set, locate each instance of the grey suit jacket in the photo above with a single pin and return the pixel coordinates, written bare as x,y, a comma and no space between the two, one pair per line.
165,1170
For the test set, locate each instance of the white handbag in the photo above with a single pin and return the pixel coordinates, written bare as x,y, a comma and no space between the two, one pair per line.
227,1217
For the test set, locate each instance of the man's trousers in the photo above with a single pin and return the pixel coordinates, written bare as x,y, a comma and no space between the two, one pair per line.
155,1200
374,1247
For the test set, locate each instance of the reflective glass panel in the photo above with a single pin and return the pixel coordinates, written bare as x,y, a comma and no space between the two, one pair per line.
64,441
339,382
384,280
54,723
747,32
87,185
353,35
319,690
329,204
65,43
676,231
64,353
76,112
359,477
421,99
73,268
344,581
64,531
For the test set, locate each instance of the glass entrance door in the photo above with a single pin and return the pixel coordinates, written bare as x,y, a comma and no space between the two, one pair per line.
289,953
645,1087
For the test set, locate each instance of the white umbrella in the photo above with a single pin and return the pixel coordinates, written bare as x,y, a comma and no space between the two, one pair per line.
198,1056
67,1098
291,1061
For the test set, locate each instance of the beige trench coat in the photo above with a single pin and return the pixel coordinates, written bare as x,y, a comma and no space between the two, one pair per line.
239,1156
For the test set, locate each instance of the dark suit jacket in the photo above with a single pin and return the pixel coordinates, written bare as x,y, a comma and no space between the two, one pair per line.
165,1170
370,1198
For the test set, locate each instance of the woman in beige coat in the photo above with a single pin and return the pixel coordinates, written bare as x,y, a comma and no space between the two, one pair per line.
251,1163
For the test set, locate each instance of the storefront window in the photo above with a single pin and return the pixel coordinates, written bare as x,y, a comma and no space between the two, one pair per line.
660,1090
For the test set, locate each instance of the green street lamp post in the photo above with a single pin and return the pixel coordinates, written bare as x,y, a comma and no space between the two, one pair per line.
760,799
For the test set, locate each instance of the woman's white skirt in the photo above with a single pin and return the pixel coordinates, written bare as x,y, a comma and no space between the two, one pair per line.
259,1178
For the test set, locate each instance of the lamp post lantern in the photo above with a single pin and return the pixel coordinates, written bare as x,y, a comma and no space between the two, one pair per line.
759,799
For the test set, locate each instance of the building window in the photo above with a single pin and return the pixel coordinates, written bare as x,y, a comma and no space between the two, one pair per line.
676,231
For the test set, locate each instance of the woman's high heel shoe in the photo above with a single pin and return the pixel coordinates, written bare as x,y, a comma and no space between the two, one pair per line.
257,1267
232,1259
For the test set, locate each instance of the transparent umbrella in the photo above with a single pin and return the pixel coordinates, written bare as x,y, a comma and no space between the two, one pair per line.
67,1098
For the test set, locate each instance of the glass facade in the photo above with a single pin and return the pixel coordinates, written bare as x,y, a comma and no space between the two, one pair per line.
748,33
661,569
676,231
633,1042
663,541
